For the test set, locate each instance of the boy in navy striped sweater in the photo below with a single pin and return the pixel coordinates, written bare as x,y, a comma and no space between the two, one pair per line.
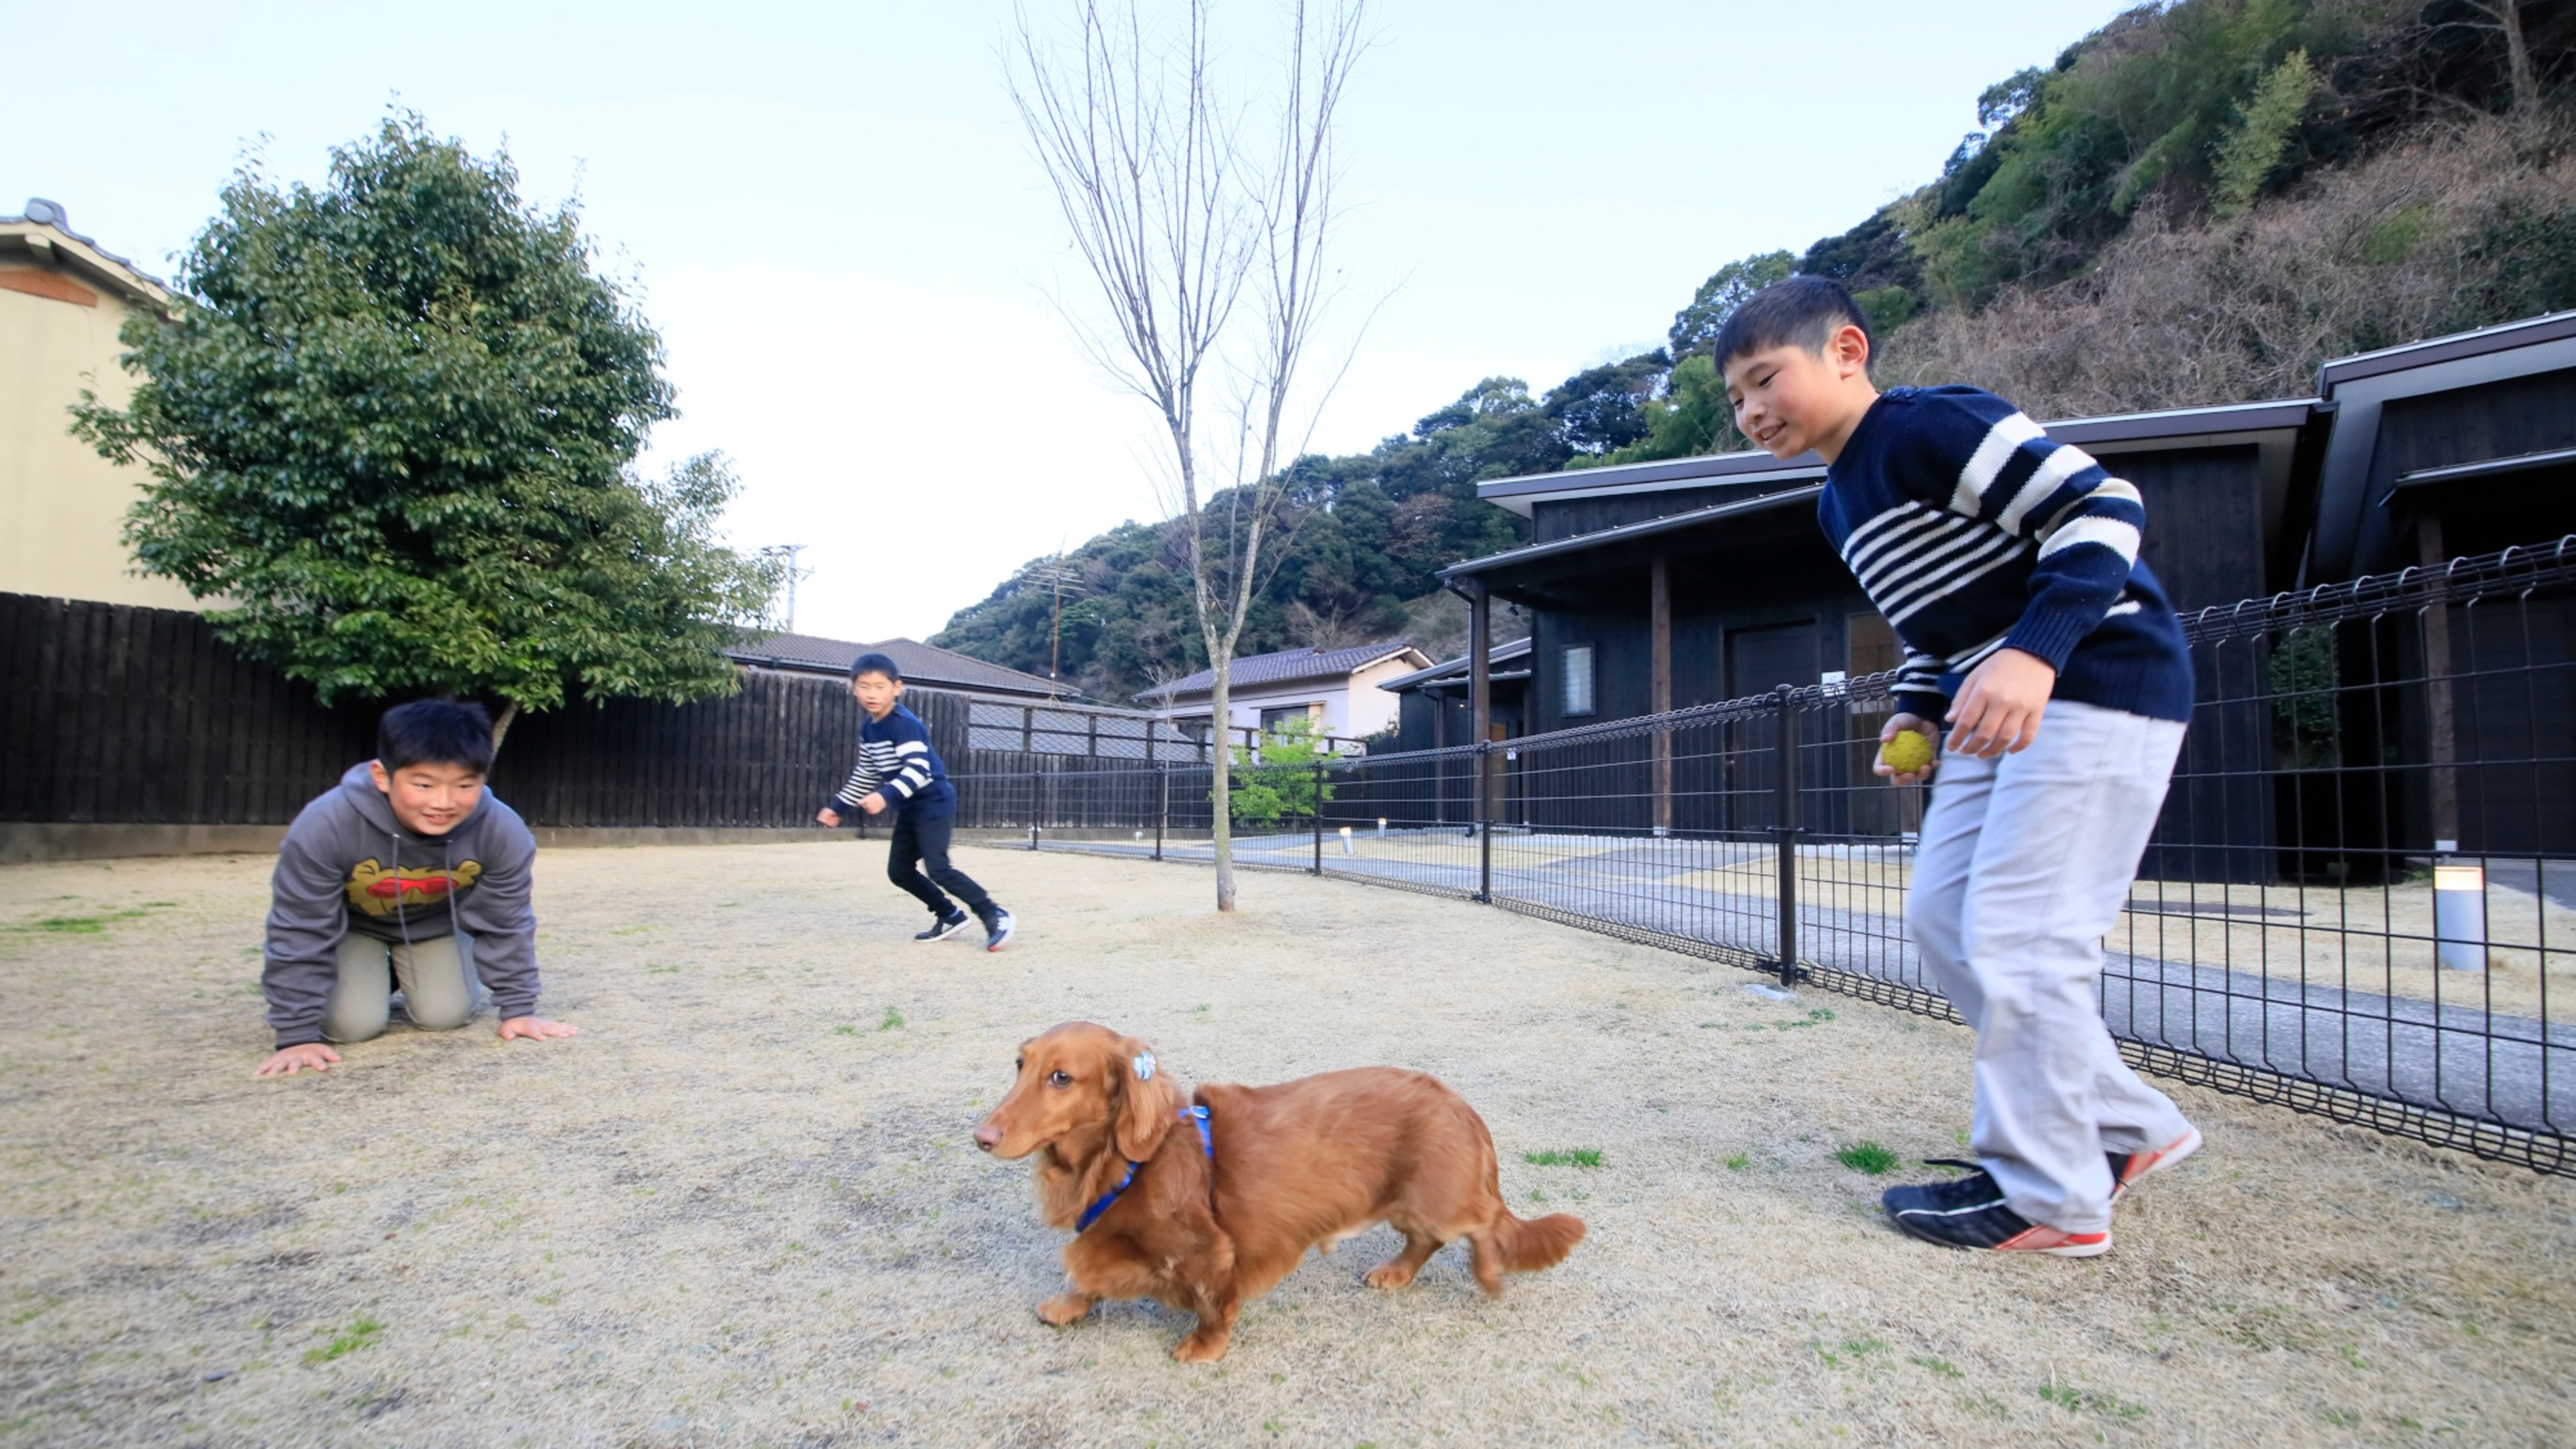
2008,565
899,771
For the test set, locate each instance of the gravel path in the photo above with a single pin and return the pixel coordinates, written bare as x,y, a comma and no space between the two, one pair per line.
742,1207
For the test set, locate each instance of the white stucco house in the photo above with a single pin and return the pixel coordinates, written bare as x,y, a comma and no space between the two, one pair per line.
1335,689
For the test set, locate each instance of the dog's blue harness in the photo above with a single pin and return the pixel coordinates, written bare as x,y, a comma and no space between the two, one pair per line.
1207,1145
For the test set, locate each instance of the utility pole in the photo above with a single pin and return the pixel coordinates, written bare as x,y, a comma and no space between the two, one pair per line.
789,551
1055,576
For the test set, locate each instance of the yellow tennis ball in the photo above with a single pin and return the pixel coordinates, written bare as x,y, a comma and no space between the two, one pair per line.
1907,753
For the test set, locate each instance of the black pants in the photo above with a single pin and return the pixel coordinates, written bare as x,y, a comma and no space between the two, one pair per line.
926,842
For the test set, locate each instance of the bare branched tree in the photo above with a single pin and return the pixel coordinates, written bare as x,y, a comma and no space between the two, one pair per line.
1182,227
2504,17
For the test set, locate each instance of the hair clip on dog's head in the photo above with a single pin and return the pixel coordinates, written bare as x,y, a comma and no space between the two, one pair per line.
1144,1066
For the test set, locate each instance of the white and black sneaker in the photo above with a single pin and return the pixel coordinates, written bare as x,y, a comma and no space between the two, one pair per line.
1970,1212
998,930
945,927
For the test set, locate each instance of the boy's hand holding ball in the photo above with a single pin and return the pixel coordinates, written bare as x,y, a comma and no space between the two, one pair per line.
1906,750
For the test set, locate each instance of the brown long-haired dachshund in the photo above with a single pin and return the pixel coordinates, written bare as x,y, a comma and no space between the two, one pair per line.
1203,1201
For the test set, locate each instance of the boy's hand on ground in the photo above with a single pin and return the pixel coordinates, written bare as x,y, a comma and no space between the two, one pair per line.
874,804
290,1060
536,1028
829,816
1999,704
1921,726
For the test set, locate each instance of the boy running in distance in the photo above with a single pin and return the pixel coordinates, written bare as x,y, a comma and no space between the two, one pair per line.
899,771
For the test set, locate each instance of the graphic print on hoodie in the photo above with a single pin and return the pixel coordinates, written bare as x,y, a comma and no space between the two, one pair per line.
347,865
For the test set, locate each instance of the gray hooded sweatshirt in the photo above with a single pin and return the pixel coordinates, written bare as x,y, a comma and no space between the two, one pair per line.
347,866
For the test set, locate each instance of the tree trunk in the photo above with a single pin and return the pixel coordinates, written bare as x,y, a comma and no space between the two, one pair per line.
2526,81
501,726
1221,786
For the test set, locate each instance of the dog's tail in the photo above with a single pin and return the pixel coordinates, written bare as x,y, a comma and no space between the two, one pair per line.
1510,1245
1529,1245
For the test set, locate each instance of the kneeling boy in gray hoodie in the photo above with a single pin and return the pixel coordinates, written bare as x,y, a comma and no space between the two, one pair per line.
408,870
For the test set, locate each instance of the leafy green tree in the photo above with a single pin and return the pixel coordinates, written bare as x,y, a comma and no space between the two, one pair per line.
389,427
2249,155
1278,780
1694,418
1597,410
1696,326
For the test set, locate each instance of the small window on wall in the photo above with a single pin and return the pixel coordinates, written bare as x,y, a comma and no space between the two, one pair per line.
1578,679
1272,719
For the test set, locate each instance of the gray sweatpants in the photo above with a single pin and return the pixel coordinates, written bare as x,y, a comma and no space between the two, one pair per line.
440,990
2024,865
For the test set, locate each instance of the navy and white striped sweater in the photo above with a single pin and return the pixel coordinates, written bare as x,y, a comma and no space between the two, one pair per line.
1972,532
897,762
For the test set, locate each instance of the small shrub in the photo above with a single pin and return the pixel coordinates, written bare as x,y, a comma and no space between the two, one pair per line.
1572,1157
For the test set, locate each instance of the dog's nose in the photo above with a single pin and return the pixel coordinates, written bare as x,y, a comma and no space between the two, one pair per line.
987,1136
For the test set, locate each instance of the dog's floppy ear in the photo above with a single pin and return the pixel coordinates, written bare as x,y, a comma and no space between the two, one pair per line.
1146,1102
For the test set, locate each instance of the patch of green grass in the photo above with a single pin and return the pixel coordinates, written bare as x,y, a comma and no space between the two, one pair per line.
845,1030
893,1020
1856,1349
1867,1158
356,1336
1571,1157
2086,1401
661,970
1738,1162
1817,1017
1938,1365
76,925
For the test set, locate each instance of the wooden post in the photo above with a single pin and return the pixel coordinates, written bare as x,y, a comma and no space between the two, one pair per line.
1660,689
1439,763
2443,745
1480,686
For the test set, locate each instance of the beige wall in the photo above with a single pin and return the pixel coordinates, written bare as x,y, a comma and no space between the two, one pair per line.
1351,708
61,504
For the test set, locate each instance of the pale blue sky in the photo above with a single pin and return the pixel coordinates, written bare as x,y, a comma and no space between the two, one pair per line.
835,223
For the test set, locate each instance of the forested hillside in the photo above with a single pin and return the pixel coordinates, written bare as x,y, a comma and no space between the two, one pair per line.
2197,203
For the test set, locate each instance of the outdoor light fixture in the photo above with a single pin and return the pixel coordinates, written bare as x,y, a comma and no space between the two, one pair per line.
1346,841
2460,915
1381,827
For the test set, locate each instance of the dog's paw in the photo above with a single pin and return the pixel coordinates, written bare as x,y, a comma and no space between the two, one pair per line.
1063,1309
1389,1274
1202,1347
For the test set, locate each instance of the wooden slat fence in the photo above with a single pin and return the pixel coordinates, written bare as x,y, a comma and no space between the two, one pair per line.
114,714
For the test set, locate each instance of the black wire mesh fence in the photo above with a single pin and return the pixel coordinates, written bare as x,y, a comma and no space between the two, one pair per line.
2360,900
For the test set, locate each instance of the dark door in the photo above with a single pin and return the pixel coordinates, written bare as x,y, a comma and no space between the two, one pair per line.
1757,662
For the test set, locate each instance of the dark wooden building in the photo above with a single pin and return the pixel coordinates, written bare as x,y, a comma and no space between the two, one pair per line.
1665,585
2455,726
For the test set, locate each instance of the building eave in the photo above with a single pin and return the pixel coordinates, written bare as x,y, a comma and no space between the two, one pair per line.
46,243
2529,331
1669,523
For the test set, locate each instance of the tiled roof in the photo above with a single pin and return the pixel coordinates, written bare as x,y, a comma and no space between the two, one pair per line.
50,214
1287,666
925,664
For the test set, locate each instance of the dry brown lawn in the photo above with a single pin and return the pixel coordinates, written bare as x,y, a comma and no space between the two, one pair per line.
743,1207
